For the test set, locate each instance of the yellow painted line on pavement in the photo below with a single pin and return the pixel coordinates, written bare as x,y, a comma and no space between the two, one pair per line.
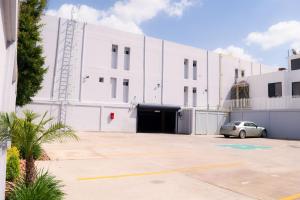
293,197
195,168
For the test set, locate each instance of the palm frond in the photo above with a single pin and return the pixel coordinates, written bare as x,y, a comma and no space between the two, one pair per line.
6,125
57,131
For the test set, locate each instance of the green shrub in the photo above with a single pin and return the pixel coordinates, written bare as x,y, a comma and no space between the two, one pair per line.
12,164
36,152
45,187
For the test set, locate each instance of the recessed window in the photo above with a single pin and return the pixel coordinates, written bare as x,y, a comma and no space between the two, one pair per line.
113,82
114,56
101,79
186,96
295,64
243,73
236,73
194,70
275,89
296,89
125,90
186,68
126,58
195,97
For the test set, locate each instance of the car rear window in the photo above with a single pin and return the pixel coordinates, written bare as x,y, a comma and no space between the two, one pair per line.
236,123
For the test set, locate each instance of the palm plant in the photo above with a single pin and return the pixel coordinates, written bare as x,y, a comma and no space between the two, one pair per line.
28,132
44,187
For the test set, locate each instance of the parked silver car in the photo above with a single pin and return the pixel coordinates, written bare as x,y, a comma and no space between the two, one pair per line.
243,129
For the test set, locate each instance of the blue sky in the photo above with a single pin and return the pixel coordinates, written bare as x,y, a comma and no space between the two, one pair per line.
261,30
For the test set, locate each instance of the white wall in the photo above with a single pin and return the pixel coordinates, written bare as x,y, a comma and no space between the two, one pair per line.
156,74
153,69
283,124
259,90
8,71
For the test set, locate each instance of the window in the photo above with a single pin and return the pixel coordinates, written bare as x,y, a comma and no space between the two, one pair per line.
114,56
194,70
275,89
126,58
101,79
113,82
195,97
186,95
249,124
296,89
236,73
125,90
243,73
186,68
295,64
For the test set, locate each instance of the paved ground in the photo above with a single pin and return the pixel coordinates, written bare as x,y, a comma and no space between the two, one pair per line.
169,167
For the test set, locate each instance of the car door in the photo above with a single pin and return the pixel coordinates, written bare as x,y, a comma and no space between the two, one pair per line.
255,130
250,129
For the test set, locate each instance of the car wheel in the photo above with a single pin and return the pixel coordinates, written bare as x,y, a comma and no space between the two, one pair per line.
242,134
226,136
264,134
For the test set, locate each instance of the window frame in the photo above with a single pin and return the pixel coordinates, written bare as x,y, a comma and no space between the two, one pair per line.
295,95
270,89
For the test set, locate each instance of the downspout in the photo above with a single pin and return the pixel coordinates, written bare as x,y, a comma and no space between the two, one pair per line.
56,57
162,72
144,70
207,83
81,61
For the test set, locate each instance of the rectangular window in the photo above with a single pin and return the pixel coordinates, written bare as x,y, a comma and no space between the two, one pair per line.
243,73
125,90
295,64
101,79
296,89
194,70
236,73
114,56
186,68
186,96
127,58
275,89
195,97
113,83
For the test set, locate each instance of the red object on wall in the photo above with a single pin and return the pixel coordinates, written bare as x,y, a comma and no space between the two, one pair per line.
112,115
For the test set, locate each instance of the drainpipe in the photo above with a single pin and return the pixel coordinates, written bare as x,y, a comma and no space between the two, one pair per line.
207,82
144,69
162,72
55,60
81,62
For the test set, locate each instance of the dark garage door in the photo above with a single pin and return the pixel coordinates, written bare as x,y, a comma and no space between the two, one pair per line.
156,119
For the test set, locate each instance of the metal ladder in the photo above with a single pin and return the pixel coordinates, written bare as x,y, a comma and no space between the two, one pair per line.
65,69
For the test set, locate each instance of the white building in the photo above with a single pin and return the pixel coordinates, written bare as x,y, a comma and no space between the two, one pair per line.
274,101
8,70
120,81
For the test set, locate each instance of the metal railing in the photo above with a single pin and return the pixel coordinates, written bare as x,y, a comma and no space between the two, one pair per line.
264,103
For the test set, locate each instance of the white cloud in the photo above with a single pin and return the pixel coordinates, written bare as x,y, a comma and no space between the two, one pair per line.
235,52
126,15
282,33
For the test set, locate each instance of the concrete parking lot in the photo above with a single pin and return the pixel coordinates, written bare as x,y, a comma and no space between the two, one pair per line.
160,166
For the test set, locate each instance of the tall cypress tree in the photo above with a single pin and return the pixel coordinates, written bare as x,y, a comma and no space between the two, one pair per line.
30,59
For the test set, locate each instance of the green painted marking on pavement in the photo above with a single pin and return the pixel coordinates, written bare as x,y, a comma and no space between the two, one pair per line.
245,146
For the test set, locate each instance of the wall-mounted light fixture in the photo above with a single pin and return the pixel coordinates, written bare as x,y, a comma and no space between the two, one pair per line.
86,77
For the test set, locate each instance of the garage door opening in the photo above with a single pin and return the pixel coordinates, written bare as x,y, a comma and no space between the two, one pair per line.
156,118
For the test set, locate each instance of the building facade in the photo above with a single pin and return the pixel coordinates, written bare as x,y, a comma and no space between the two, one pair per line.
8,70
101,79
273,101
